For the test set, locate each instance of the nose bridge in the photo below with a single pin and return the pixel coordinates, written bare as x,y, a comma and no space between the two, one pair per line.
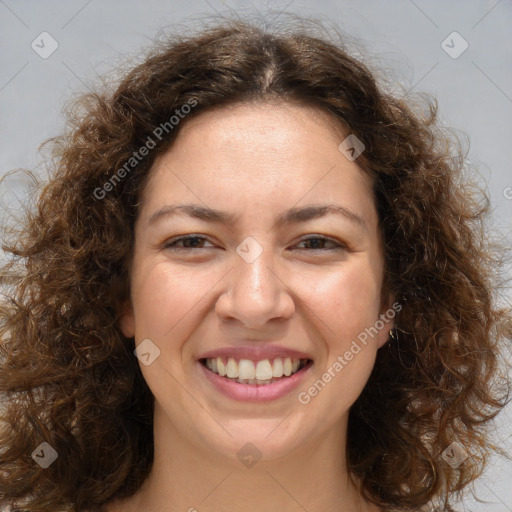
254,272
254,293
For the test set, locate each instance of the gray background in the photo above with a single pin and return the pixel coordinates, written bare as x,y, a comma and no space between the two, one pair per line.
474,90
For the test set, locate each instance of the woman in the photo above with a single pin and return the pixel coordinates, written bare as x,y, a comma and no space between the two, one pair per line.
254,281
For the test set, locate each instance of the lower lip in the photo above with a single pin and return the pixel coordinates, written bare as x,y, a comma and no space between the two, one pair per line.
255,392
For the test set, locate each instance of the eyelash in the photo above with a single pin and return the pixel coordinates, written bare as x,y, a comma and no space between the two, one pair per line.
171,243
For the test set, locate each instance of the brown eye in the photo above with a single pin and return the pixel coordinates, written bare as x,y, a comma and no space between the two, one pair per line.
318,243
189,242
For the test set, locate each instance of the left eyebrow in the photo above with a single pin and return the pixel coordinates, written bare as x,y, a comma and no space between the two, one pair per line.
292,216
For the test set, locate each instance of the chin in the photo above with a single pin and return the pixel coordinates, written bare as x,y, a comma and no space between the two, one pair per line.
264,439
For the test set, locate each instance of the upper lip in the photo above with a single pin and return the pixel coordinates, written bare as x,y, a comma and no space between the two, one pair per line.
255,353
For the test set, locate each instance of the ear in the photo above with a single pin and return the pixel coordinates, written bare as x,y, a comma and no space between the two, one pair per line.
387,316
127,320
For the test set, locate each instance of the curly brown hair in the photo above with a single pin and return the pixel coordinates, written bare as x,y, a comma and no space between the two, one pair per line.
69,376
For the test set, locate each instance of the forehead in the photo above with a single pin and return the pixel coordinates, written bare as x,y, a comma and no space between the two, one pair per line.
267,155
272,131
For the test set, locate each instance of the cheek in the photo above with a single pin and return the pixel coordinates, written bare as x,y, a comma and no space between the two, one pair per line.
346,306
166,305
162,299
346,301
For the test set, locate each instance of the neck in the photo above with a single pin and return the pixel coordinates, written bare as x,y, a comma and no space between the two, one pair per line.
183,477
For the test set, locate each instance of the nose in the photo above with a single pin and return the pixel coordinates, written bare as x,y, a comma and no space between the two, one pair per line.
255,293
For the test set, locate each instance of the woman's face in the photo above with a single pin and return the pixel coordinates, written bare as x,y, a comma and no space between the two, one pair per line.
272,280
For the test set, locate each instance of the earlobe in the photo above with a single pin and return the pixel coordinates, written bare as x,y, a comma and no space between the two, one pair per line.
127,320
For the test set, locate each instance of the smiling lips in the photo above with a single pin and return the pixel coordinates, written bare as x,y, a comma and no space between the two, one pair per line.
256,373
255,365
247,371
255,389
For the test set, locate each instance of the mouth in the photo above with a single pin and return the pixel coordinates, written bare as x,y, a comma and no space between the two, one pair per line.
255,373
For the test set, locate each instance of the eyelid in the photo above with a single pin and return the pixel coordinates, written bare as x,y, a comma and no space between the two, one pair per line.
338,244
168,243
312,236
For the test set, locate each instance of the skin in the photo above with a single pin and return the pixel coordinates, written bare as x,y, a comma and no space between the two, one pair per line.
255,161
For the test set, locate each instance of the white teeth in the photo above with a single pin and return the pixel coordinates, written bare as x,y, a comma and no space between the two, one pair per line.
246,369
287,366
221,369
232,369
277,369
263,370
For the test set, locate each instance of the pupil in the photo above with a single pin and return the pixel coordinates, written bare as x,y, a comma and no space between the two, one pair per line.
189,240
